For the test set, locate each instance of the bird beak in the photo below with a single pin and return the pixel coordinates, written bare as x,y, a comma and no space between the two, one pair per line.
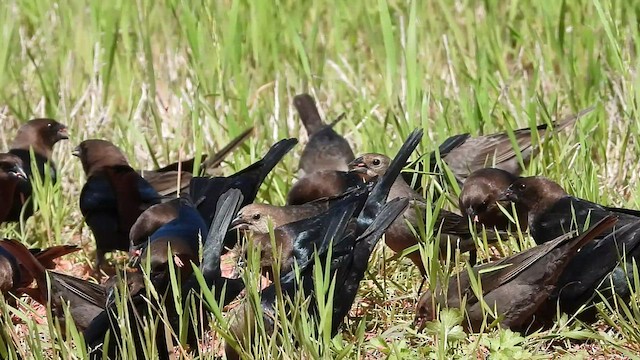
358,166
507,195
238,224
472,214
18,171
63,133
76,151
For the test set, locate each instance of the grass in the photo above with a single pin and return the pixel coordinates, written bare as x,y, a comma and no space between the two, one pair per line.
183,77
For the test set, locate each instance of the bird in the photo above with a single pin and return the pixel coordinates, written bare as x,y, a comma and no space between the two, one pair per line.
478,199
177,241
173,179
13,178
19,266
349,262
39,136
517,288
326,149
227,205
205,190
321,184
452,227
553,212
113,196
465,154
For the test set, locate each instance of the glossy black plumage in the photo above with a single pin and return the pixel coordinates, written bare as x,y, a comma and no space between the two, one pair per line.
113,197
518,287
13,184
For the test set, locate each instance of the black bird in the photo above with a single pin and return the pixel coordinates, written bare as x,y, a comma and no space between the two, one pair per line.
113,197
248,181
13,184
39,136
553,212
517,287
350,255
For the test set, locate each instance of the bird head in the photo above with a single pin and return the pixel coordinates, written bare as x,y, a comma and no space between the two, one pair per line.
98,154
254,218
370,166
12,165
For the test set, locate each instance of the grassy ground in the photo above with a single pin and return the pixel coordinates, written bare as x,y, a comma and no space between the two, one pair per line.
177,77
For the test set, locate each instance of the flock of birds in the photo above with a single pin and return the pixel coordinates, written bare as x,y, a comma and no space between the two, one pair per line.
341,205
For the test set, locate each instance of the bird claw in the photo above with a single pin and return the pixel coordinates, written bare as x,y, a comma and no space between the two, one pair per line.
178,261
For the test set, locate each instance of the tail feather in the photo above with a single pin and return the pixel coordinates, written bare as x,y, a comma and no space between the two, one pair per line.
46,256
27,262
215,160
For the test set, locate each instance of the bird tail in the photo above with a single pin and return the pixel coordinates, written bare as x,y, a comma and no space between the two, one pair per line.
381,190
387,215
46,256
271,159
215,160
227,207
566,122
595,230
308,112
27,261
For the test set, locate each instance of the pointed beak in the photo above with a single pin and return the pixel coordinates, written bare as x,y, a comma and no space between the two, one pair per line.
63,133
76,151
357,166
18,171
507,195
238,224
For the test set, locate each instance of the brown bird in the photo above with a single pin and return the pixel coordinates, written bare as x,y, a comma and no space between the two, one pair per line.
479,199
326,149
113,197
465,154
517,287
257,218
321,184
19,266
39,135
12,179
553,212
174,178
454,229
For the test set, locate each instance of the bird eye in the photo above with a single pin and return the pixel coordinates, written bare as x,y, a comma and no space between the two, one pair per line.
376,162
522,186
49,125
256,217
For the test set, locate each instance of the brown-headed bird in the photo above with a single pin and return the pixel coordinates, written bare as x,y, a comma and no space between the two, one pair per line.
353,241
174,178
479,199
326,149
465,154
19,266
399,236
12,179
553,212
321,184
517,287
39,136
113,197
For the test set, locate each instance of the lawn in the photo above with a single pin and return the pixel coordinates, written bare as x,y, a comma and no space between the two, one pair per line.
176,78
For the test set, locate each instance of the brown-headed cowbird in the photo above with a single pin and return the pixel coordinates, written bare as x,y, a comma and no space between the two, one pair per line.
257,218
479,199
185,225
175,178
465,154
12,179
517,288
206,191
113,197
453,228
39,136
181,235
350,256
326,149
321,184
19,266
553,212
